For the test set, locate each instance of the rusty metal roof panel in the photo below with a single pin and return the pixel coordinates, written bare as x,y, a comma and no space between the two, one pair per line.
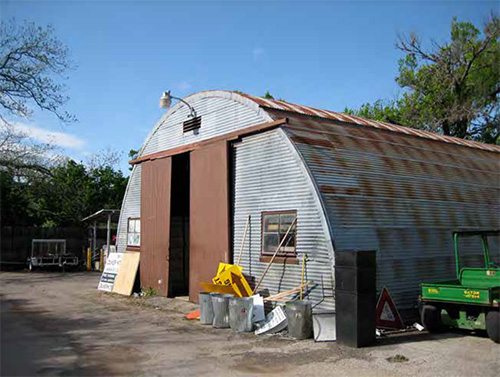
398,194
332,115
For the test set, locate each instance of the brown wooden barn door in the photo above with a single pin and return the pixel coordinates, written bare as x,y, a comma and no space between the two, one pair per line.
209,214
155,224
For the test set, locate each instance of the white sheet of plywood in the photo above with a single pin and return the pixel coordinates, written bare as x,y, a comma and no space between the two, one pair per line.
111,269
124,282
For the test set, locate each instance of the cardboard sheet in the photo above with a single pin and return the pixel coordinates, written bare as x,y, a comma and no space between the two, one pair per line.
125,279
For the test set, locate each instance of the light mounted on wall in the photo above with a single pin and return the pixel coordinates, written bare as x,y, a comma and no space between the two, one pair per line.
166,102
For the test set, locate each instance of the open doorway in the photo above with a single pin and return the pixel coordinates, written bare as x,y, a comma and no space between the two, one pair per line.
179,227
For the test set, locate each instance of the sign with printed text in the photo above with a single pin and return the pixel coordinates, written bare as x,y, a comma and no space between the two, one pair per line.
111,269
387,314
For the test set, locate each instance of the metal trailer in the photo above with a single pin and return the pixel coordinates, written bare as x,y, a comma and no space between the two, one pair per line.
50,252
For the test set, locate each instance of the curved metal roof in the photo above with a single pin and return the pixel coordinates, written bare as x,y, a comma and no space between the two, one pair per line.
332,115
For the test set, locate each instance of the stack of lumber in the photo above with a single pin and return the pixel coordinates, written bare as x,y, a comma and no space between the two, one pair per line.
282,297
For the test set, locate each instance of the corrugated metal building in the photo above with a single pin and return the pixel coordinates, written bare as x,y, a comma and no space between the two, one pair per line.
352,184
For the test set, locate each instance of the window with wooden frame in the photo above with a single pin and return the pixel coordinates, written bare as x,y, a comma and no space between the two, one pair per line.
274,228
134,232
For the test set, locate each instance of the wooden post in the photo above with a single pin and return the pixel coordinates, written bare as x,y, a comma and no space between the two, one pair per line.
94,246
101,261
274,255
108,233
243,242
303,270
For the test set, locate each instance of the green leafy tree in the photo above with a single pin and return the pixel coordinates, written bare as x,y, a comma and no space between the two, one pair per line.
384,111
268,95
132,155
64,197
452,88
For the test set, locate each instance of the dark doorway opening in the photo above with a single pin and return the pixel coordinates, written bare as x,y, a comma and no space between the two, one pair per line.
179,227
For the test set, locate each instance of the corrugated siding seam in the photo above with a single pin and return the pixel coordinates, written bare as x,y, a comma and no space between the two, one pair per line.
258,188
403,208
131,206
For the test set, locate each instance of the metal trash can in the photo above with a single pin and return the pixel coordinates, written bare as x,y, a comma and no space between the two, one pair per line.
221,310
240,314
206,307
299,316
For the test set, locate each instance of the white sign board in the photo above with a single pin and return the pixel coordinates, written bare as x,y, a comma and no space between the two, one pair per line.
275,322
111,269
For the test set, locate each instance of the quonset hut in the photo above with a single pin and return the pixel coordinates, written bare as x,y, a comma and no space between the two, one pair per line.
351,183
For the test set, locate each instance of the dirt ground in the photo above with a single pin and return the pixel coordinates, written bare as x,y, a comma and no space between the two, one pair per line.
55,324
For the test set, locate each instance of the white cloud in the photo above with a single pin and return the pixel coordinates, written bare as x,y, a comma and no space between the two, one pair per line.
257,52
56,138
184,85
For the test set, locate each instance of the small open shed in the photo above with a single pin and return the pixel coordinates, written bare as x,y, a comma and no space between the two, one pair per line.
107,216
351,183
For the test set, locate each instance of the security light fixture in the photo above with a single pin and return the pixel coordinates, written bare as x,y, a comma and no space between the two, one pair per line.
166,102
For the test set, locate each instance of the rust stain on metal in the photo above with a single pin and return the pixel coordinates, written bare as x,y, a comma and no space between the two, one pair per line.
332,115
155,224
312,141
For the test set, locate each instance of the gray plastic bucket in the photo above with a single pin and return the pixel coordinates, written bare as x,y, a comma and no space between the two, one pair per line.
221,310
299,316
206,307
240,314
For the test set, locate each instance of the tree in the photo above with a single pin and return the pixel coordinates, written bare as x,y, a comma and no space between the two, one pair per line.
32,64
452,88
132,155
384,111
107,157
268,95
64,197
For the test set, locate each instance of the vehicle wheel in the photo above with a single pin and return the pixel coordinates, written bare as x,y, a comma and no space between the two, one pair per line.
493,325
31,268
431,318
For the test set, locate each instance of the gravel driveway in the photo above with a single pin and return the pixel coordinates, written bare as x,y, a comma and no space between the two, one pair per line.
55,324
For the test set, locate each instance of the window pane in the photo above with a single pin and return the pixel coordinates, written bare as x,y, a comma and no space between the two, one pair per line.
271,242
133,239
289,244
286,221
138,226
130,225
271,223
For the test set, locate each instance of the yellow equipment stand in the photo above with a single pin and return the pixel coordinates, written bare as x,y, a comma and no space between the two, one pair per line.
89,259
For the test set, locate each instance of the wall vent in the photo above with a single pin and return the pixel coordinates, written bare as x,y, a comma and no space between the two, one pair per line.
192,124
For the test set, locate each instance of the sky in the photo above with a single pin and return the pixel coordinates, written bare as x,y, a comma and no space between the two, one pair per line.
328,54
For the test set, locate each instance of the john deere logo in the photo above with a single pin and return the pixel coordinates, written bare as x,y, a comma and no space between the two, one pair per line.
433,290
472,294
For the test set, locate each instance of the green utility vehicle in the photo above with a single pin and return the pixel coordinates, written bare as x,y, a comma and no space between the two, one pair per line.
471,301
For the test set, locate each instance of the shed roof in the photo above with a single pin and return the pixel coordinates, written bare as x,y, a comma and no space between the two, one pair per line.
103,214
332,115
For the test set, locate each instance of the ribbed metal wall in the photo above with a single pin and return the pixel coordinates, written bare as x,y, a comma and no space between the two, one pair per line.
131,206
402,196
268,177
